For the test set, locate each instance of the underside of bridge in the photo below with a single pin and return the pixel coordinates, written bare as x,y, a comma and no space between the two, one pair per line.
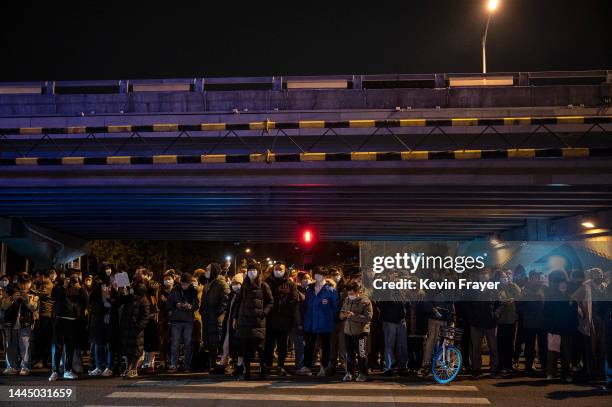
503,167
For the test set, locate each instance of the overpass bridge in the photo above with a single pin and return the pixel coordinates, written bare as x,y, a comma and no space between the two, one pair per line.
358,157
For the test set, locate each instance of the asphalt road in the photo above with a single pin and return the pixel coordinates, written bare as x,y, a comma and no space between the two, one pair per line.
202,389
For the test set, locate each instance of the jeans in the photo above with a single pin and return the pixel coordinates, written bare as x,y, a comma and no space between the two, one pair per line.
433,330
278,339
178,331
491,335
337,349
530,335
505,343
356,346
396,344
18,342
298,342
102,355
309,351
64,332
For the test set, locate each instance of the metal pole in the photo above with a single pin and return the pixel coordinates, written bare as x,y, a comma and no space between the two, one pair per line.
484,45
3,258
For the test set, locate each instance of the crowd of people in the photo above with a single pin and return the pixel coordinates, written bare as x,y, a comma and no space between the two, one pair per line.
222,318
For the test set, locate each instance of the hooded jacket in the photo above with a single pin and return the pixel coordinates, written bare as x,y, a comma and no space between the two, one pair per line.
253,305
282,316
178,295
214,302
359,322
321,309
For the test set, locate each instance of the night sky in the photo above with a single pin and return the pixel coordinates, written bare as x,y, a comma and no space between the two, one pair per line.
43,40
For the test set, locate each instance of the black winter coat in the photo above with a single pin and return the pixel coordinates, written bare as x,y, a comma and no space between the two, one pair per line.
254,303
214,303
282,316
134,318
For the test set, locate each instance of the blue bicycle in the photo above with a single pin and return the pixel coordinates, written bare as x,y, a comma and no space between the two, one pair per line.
446,362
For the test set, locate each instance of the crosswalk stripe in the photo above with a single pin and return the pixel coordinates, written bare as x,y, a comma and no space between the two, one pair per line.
308,386
301,397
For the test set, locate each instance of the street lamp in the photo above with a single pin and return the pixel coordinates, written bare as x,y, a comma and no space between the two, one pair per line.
491,7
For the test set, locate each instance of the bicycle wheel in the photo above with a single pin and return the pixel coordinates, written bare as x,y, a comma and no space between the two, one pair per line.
446,371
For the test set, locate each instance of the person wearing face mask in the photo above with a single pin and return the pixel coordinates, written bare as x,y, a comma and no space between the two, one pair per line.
282,317
69,304
214,303
590,298
297,334
134,318
43,330
322,307
4,296
164,318
484,314
20,312
509,292
337,349
253,305
230,343
182,303
101,301
558,310
530,309
357,314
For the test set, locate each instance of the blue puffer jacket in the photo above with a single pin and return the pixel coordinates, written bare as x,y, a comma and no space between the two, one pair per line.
321,309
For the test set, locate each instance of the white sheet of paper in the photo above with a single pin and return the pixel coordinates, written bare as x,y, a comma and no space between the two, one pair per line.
122,279
554,342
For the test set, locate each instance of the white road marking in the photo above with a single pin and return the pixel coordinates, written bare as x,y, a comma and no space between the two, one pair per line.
308,385
301,397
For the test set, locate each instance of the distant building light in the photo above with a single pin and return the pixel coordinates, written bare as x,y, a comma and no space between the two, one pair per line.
588,225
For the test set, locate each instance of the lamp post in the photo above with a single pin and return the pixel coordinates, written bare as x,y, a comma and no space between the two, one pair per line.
491,7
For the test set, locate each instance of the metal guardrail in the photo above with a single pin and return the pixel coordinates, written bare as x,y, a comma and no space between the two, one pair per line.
279,83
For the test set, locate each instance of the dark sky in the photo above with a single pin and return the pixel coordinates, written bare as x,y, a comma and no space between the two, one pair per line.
42,40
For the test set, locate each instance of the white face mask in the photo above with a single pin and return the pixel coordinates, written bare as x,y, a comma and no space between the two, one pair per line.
278,273
305,283
207,274
352,297
108,272
318,278
168,283
236,287
252,274
337,278
3,283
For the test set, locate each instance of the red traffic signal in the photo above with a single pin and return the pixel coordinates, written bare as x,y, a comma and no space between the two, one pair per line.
307,236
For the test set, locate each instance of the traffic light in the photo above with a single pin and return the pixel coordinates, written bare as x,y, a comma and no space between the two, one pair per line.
307,236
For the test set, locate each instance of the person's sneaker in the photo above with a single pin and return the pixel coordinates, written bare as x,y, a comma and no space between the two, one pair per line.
568,379
304,371
9,371
219,370
132,374
69,375
476,375
95,372
347,377
388,372
322,372
107,373
361,378
54,376
281,372
495,375
172,369
24,372
549,377
39,365
238,371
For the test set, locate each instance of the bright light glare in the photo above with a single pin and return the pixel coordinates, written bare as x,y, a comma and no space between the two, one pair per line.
492,5
307,236
228,258
588,225
247,250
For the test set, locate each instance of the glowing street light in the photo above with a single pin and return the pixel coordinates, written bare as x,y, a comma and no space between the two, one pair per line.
247,250
491,7
588,225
